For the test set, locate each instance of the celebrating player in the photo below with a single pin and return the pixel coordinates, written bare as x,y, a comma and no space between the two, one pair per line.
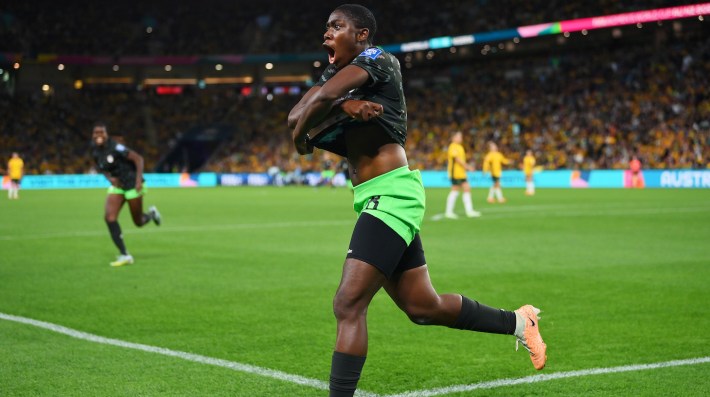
493,163
15,170
457,173
385,249
124,169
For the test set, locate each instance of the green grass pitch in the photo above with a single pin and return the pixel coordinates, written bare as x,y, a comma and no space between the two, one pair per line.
247,275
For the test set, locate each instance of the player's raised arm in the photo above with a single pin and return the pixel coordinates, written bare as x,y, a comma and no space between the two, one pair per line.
297,110
321,102
361,110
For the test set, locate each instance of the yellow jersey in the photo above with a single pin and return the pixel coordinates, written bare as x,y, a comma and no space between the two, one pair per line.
14,167
528,164
456,170
493,163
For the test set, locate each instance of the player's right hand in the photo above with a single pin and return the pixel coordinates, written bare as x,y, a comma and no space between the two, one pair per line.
362,110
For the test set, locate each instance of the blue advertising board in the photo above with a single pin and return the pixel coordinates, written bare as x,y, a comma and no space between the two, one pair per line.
431,179
86,181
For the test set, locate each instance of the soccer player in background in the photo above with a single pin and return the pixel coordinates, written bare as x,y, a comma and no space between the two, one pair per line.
528,168
385,248
635,168
493,163
15,170
328,172
123,167
457,168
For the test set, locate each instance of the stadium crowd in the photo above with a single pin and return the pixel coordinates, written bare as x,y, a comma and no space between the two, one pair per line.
229,27
573,112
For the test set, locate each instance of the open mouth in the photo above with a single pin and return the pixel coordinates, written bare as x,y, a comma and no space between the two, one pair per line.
331,53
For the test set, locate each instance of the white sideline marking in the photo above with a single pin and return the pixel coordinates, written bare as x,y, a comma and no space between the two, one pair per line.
545,377
251,369
318,384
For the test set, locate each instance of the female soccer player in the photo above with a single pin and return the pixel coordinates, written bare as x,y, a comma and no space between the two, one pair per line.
457,168
385,248
493,163
528,169
124,169
15,168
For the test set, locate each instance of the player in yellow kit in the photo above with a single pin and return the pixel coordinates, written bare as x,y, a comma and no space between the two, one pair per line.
457,173
528,167
493,163
15,168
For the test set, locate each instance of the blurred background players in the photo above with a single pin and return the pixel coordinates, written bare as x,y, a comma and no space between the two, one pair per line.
457,173
124,169
493,163
635,168
528,168
328,172
15,168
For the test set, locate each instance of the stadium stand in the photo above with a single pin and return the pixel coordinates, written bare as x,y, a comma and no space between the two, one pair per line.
266,26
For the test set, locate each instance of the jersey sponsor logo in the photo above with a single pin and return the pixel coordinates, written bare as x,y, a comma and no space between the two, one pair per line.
120,147
371,53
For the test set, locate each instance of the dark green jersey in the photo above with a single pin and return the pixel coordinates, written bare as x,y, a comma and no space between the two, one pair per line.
384,87
112,158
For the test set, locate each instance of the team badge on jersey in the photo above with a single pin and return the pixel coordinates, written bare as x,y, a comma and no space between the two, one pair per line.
371,53
109,158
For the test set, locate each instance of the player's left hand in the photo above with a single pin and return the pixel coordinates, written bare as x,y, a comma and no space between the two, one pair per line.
139,186
362,110
303,146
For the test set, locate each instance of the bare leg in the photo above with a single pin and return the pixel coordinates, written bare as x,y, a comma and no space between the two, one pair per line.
114,202
413,292
136,206
359,283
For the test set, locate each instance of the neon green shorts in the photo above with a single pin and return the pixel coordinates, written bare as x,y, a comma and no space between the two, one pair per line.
396,198
128,194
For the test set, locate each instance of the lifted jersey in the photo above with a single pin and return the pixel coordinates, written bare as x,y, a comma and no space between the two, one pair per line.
384,87
113,159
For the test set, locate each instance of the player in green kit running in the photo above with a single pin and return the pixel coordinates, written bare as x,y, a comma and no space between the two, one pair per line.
123,168
385,249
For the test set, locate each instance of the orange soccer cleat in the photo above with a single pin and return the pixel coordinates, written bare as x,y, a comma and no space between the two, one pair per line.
532,340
